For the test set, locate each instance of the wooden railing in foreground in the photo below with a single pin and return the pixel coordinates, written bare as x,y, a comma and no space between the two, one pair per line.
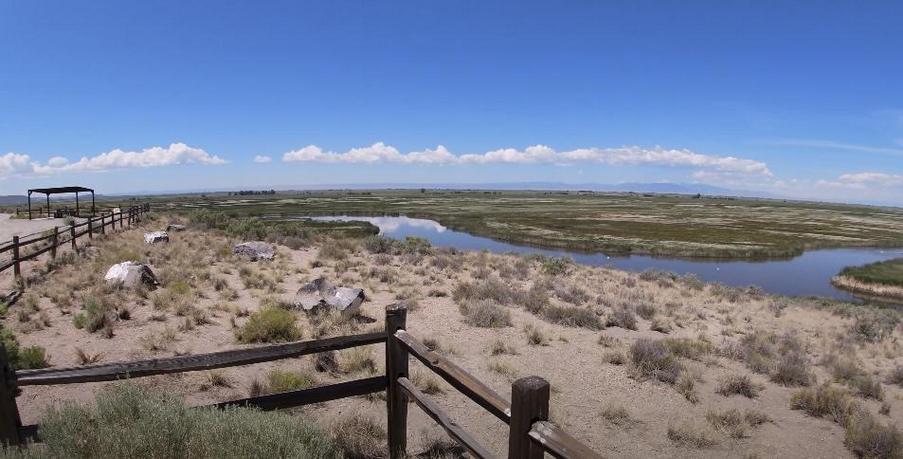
531,435
49,240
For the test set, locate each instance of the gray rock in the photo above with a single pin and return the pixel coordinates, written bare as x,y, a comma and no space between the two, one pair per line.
320,294
130,274
175,227
155,237
254,250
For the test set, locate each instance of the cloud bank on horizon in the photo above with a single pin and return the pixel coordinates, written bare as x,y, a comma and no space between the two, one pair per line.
705,168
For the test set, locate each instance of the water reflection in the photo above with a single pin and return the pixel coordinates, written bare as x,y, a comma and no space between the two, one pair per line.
805,275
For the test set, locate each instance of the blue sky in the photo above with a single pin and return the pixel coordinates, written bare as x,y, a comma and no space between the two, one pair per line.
783,97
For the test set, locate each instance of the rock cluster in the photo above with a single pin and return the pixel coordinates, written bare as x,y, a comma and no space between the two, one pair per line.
320,294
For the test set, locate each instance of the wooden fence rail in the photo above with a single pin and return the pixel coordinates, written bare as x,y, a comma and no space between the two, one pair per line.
531,435
56,237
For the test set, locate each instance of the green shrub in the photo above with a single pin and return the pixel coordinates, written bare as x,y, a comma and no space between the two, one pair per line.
129,421
94,317
285,381
31,357
270,324
555,266
688,348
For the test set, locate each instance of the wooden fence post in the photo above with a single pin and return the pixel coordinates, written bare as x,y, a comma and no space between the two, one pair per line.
72,235
17,270
10,422
396,367
103,224
91,227
529,403
54,240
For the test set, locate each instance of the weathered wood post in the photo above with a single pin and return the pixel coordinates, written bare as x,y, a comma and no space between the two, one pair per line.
17,270
72,235
91,227
529,403
396,367
54,241
10,423
103,224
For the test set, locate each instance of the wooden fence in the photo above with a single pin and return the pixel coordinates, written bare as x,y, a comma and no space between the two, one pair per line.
531,435
48,241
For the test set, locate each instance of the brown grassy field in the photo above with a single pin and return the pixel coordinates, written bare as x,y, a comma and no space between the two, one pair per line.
641,365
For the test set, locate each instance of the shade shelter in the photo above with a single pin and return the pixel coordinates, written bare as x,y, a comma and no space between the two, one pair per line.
61,190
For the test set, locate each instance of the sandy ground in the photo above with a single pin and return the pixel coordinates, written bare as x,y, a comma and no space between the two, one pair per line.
572,359
10,227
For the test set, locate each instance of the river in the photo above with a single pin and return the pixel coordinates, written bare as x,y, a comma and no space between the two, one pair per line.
806,275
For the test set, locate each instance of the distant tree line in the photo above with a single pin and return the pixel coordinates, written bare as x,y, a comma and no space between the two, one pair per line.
251,192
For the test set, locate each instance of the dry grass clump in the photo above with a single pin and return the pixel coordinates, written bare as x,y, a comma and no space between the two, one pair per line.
490,288
623,318
689,348
535,336
360,437
686,386
614,358
735,424
736,384
783,357
691,435
485,314
426,382
896,376
864,435
270,324
846,371
646,310
85,358
499,347
617,415
661,325
572,316
356,360
653,359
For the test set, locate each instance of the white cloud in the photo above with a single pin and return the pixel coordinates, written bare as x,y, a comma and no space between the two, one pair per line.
537,154
177,153
262,159
13,164
864,180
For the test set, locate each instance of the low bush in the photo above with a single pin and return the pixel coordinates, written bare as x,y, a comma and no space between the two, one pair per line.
572,316
27,358
689,435
285,381
653,359
689,348
270,324
485,314
129,421
623,318
360,437
735,384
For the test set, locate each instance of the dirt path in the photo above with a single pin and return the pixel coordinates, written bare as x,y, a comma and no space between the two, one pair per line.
10,227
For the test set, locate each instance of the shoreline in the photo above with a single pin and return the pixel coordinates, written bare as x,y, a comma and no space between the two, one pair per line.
877,291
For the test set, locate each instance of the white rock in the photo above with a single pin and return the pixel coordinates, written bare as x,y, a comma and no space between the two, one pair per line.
254,250
130,274
155,237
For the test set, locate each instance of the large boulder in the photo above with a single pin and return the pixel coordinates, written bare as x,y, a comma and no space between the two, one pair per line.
130,274
320,294
155,237
254,250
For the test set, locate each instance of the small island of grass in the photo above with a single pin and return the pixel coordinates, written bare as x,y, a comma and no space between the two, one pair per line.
882,279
